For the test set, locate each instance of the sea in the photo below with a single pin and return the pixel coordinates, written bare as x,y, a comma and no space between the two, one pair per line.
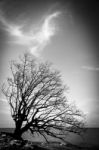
90,137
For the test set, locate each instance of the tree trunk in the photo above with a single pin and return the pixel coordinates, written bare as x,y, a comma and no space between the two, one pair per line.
19,130
18,133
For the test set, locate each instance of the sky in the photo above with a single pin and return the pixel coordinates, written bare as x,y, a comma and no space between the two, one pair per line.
64,32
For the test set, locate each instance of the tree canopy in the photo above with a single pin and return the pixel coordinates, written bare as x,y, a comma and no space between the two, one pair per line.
36,95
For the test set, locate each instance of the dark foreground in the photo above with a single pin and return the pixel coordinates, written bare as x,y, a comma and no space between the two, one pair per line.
7,142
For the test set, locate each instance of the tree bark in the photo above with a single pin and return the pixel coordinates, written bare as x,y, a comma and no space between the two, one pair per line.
18,134
18,131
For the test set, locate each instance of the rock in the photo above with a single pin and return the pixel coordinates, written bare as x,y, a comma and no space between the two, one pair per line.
3,135
15,142
27,146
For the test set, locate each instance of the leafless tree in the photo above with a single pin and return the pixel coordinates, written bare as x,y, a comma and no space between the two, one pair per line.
36,96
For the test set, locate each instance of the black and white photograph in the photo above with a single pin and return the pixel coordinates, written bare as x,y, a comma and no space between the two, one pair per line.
49,74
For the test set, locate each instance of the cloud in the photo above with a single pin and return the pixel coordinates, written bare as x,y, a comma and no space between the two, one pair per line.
3,100
37,38
90,68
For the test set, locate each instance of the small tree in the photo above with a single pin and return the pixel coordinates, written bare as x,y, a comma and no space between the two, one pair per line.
36,97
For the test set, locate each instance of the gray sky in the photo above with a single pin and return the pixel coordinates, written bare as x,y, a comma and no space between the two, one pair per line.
63,32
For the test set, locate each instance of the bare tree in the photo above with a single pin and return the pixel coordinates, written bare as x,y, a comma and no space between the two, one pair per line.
35,93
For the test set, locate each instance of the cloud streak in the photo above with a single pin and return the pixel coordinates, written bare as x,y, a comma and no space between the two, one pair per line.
35,40
90,68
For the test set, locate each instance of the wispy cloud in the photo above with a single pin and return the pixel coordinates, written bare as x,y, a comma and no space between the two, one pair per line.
90,68
3,100
34,40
